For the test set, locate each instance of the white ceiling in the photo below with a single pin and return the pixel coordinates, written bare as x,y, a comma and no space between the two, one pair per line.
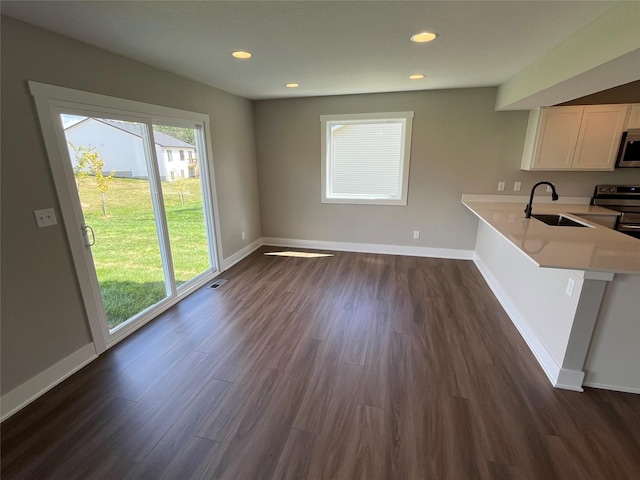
329,47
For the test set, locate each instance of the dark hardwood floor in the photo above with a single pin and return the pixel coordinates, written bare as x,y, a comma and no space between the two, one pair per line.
352,366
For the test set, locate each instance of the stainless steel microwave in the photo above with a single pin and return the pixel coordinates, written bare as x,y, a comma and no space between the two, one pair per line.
629,152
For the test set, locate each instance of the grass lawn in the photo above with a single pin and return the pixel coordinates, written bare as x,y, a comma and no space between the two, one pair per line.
126,252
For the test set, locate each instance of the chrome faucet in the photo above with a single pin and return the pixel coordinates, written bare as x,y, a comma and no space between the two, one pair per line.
554,197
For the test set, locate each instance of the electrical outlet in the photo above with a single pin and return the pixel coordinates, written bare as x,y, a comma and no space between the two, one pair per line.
571,284
548,189
416,234
244,236
516,186
500,186
45,217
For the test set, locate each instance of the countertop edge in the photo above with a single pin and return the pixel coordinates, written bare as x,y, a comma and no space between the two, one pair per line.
469,200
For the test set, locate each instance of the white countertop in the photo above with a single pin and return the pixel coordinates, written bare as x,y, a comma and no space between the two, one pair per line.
591,249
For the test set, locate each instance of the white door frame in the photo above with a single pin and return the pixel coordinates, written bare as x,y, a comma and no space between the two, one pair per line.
49,99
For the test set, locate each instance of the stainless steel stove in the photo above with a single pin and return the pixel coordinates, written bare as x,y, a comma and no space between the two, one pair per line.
624,199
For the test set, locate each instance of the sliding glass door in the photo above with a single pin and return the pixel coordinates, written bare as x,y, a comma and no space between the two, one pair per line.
114,185
135,188
143,206
184,197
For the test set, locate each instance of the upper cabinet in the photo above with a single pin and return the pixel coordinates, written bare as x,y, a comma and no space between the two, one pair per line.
574,138
634,117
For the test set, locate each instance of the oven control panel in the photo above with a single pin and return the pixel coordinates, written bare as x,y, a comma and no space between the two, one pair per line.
630,190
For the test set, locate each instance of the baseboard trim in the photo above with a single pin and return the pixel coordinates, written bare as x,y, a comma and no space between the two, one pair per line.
449,253
241,254
559,378
26,393
570,380
612,387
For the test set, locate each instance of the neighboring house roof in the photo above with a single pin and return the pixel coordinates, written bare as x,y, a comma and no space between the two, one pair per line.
134,129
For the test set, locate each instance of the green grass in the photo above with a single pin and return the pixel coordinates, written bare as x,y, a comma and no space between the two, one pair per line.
126,252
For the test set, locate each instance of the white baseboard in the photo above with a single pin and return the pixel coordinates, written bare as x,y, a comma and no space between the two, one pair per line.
450,253
26,393
241,254
570,380
612,387
559,377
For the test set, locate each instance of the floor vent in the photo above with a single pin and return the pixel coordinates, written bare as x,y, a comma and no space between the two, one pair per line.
218,283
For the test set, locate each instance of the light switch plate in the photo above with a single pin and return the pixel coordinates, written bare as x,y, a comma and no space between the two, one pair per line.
571,284
45,217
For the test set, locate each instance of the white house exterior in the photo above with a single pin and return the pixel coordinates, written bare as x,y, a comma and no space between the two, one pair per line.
120,146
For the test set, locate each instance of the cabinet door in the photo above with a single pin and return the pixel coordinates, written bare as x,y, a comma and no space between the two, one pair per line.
634,118
557,138
599,137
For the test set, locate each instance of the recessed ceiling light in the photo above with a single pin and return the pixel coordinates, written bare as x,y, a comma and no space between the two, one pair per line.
423,37
242,54
292,85
416,76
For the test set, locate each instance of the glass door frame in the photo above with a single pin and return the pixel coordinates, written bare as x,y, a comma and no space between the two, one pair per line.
50,102
156,197
207,191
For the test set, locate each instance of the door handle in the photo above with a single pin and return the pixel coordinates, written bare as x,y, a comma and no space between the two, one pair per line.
87,229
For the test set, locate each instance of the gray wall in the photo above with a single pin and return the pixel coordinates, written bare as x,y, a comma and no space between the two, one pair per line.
459,145
43,318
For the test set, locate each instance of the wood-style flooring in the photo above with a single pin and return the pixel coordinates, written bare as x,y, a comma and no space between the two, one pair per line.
352,366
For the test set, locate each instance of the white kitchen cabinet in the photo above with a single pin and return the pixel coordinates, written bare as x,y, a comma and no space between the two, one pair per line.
599,139
574,138
634,117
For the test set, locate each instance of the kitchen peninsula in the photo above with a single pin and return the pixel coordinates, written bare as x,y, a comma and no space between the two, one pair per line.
572,291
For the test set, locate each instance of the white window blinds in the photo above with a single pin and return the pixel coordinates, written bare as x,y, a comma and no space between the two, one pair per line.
365,159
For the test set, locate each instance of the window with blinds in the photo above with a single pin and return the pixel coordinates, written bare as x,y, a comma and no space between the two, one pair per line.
365,158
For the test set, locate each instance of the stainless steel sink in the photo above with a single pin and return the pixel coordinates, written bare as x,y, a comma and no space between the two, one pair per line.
557,220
